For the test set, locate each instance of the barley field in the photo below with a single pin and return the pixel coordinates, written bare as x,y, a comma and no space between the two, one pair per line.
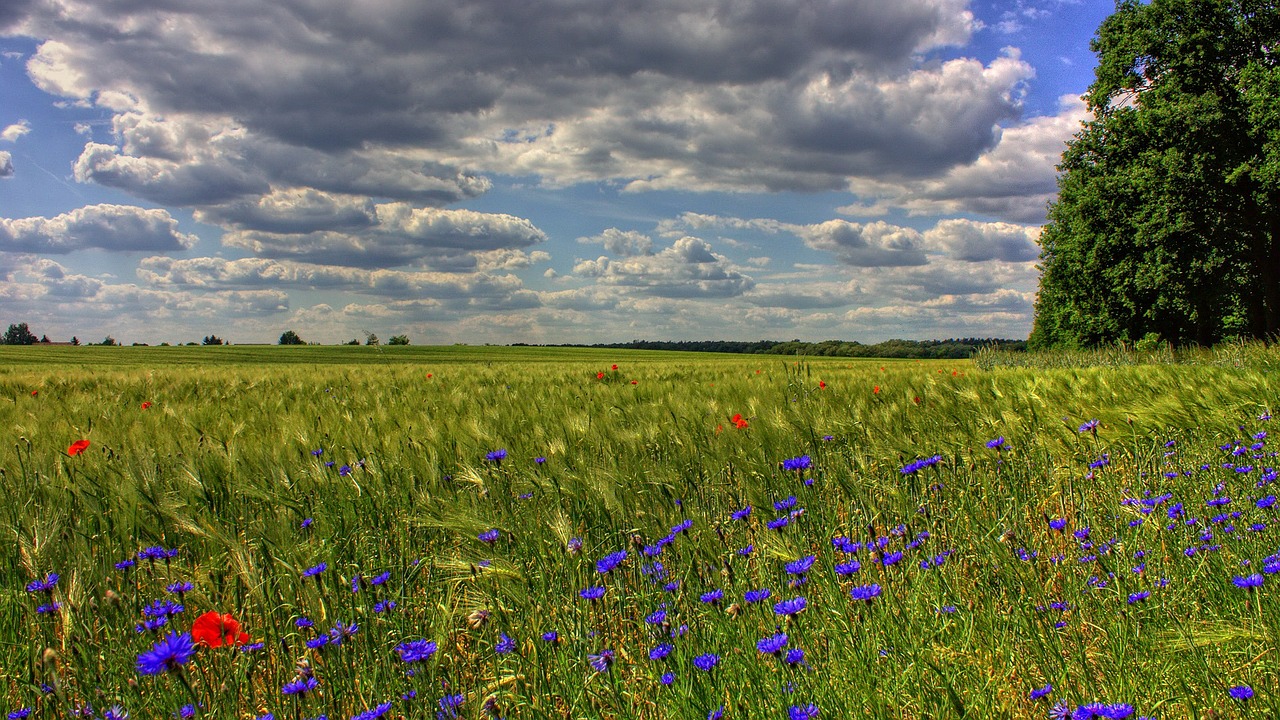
414,532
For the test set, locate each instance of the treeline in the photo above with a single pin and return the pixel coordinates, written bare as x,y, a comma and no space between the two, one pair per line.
951,349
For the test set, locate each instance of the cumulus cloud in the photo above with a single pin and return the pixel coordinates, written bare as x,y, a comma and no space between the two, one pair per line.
15,131
400,234
622,242
876,244
6,164
225,102
106,227
974,241
688,268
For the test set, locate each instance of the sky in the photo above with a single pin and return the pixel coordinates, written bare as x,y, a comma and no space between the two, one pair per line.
542,171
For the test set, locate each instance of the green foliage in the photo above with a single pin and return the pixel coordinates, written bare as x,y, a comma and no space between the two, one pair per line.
211,340
1167,218
18,334
289,337
398,340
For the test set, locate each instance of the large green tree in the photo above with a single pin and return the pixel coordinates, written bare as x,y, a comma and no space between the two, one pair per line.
1166,221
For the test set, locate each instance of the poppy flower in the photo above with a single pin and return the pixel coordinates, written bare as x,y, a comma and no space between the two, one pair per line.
822,384
78,447
146,404
428,376
600,375
215,630
739,421
875,390
635,382
615,367
35,393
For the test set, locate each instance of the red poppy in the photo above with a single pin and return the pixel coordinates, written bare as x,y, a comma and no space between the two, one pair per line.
615,367
739,421
78,447
428,376
876,390
635,382
822,385
600,375
916,399
35,393
146,404
215,630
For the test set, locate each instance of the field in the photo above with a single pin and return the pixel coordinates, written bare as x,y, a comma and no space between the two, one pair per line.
528,533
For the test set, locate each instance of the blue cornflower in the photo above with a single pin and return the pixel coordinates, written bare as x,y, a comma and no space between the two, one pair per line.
449,705
801,566
374,712
742,514
787,504
180,588
315,570
20,714
667,678
44,586
1248,582
917,465
661,651
889,559
865,592
779,523
790,607
706,661
489,536
592,593
1240,692
416,650
683,526
496,456
126,564
1110,711
607,563
167,655
505,644
162,608
803,713
716,713
657,617
601,661
1135,598
755,596
712,597
996,444
539,460
795,656
551,637
773,644
1090,426
1041,692
344,471
804,462
342,631
300,686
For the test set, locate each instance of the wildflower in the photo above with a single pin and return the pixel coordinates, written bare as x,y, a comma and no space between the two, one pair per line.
1041,692
315,570
180,588
1114,711
848,568
667,678
306,523
742,514
300,686
755,596
890,559
739,422
716,713
574,545
779,523
1090,426
505,644
551,637
496,456
489,536
706,662
44,586
1248,582
78,447
790,607
1240,692
996,444
683,526
607,563
773,644
865,592
167,655
1138,597
712,597
801,566
795,656
414,651
602,661
804,462
342,631
803,713
215,630
373,713
592,593
912,468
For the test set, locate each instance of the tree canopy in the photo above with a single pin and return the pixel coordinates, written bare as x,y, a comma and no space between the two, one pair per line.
1168,212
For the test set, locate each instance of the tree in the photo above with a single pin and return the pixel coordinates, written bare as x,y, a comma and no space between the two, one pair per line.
211,340
108,341
1166,218
75,340
370,339
289,337
399,340
18,334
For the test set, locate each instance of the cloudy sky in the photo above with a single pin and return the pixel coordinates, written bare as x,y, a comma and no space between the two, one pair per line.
538,171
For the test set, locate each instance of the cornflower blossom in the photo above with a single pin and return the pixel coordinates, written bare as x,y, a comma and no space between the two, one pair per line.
772,645
706,662
912,468
315,570
865,593
790,607
300,686
804,462
1240,692
601,661
606,564
167,655
496,456
414,651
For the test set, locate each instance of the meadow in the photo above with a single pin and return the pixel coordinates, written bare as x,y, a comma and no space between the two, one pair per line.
358,533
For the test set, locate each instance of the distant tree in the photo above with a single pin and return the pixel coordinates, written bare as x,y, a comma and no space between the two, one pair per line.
289,337
211,340
352,341
370,339
399,340
108,341
44,340
75,340
18,334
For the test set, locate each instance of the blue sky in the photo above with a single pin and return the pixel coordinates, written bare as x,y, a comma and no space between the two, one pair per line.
481,171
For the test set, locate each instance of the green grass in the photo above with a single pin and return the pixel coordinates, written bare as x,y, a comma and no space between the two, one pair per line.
220,466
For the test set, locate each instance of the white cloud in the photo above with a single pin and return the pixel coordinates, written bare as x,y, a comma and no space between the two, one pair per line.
688,268
15,131
107,227
6,164
974,241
